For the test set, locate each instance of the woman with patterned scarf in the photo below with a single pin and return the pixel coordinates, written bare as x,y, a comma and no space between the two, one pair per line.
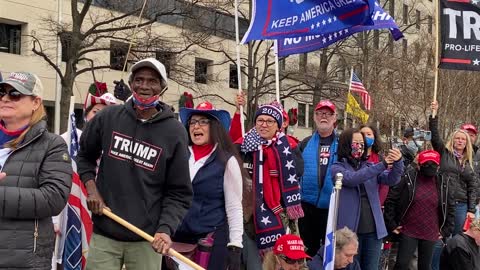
273,203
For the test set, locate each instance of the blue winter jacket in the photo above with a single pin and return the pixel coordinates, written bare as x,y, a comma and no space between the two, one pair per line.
370,175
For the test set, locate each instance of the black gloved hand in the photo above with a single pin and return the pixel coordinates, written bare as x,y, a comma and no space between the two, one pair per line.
234,258
121,91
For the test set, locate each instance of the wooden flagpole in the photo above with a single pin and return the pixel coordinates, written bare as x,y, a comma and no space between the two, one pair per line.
149,238
133,39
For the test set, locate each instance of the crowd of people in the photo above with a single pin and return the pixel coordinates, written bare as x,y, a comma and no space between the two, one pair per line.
252,201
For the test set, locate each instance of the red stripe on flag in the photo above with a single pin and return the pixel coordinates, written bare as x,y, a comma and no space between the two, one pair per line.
456,61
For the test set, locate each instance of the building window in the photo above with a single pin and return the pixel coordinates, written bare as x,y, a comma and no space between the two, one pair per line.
118,54
430,24
201,70
167,59
233,81
391,7
10,38
405,14
376,39
302,115
311,114
404,47
390,44
302,62
418,16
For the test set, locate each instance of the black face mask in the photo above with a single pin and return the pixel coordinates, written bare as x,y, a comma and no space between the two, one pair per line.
429,170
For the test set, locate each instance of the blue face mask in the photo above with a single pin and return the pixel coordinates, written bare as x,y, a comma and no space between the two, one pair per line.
369,141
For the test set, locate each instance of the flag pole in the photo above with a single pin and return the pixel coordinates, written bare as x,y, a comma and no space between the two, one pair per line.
345,111
437,52
338,187
239,64
277,71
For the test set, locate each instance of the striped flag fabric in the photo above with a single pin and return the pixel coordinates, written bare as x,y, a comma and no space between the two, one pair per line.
329,252
78,229
357,86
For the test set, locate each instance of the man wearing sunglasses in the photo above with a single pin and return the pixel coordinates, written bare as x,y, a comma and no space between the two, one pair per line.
143,174
288,254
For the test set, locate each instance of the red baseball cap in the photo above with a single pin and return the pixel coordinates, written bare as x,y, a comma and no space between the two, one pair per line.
291,246
325,104
429,155
469,127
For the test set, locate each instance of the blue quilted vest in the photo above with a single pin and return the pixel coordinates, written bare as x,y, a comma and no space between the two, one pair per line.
311,192
207,211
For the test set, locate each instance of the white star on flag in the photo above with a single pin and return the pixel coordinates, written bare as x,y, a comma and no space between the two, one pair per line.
335,17
476,62
318,24
335,34
292,178
329,20
324,40
324,22
313,26
286,150
265,220
262,207
290,164
340,32
329,37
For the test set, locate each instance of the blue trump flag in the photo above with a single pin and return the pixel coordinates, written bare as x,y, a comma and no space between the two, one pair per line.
304,44
277,19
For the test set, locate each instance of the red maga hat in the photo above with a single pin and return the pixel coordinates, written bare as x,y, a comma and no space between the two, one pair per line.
428,155
291,246
326,104
469,127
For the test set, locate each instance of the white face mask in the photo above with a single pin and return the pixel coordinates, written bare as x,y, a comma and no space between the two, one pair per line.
412,147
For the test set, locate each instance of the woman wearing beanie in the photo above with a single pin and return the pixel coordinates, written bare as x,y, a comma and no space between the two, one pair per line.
272,206
216,211
420,210
359,205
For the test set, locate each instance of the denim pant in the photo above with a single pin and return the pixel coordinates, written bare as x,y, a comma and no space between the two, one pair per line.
460,214
369,251
406,249
250,256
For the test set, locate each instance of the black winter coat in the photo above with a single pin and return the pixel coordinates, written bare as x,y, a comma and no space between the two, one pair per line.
401,196
37,185
464,180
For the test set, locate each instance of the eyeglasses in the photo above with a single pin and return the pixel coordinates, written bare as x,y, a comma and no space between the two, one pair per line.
324,114
13,95
269,122
201,122
291,261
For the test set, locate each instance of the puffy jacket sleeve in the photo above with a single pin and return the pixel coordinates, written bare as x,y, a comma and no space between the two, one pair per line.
90,149
469,177
437,142
51,195
392,177
353,178
392,203
449,225
178,189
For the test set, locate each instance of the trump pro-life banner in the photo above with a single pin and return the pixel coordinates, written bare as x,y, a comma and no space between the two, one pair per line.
460,34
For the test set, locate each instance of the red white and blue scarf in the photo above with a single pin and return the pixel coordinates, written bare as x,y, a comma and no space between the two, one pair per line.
275,185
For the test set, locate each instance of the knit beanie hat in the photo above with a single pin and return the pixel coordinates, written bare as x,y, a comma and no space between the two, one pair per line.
273,109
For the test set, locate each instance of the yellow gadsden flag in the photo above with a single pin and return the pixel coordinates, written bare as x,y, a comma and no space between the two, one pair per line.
354,109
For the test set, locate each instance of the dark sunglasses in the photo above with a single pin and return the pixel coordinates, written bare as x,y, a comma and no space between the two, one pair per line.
291,261
13,95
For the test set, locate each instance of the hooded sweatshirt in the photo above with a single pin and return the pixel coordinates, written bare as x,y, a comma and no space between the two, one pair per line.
143,174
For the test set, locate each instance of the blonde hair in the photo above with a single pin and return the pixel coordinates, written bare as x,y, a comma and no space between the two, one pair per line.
269,261
467,153
37,116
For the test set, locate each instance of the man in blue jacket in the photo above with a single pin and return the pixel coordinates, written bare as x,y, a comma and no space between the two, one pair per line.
346,247
319,152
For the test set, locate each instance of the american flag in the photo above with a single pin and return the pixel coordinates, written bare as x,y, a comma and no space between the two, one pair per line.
78,229
356,86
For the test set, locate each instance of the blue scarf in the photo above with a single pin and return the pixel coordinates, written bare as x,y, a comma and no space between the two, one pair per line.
268,224
310,177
